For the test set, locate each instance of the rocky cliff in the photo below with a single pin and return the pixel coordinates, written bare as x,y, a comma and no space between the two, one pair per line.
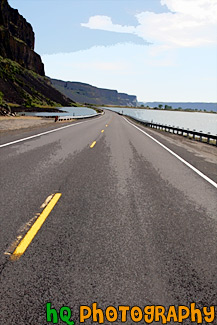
84,93
17,39
22,80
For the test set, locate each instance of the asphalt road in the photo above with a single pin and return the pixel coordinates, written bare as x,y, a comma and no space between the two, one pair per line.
134,225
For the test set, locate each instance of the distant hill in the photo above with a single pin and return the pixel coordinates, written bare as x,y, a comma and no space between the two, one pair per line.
84,93
22,80
199,106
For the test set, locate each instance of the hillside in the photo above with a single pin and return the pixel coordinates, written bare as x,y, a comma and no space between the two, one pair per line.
84,93
22,80
26,88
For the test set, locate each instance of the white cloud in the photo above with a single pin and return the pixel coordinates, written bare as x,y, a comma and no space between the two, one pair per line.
190,23
105,23
204,10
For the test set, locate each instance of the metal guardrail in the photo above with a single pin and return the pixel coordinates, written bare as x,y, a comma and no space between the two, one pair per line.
68,118
195,135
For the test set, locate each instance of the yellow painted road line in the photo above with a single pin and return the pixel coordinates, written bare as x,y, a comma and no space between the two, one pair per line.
106,125
21,248
102,131
93,144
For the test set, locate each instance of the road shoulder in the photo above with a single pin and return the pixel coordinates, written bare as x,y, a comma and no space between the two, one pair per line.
200,155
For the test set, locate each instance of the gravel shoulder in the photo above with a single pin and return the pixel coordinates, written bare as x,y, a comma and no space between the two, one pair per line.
23,122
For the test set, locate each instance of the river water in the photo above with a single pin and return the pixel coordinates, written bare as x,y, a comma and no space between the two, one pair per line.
205,122
67,111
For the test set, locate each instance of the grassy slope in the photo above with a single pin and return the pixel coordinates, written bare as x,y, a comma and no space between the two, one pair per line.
26,88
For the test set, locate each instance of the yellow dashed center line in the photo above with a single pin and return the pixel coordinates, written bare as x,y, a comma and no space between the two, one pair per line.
106,125
21,248
93,144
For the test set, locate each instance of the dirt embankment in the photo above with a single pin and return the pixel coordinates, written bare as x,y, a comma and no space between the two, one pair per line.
23,122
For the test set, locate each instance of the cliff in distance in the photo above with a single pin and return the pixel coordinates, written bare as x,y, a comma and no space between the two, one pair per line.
87,94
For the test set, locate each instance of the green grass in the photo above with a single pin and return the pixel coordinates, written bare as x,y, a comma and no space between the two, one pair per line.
11,71
19,40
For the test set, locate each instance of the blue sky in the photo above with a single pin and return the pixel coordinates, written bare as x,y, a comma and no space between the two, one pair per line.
158,50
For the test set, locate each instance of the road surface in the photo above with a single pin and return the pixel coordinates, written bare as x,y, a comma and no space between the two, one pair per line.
134,225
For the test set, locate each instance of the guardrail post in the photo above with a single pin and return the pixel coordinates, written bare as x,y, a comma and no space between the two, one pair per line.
178,130
201,139
194,134
208,138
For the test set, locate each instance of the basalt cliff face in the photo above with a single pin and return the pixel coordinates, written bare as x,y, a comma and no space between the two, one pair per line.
22,80
17,39
84,93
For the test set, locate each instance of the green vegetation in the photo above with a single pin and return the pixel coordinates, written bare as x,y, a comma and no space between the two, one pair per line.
19,40
24,87
3,104
170,108
1,98
13,105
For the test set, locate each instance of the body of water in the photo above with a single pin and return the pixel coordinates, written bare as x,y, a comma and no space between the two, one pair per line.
67,111
205,122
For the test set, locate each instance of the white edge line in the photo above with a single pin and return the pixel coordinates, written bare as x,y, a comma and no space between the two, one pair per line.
177,156
39,134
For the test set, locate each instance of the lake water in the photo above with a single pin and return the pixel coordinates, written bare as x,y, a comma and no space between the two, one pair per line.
69,111
205,122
